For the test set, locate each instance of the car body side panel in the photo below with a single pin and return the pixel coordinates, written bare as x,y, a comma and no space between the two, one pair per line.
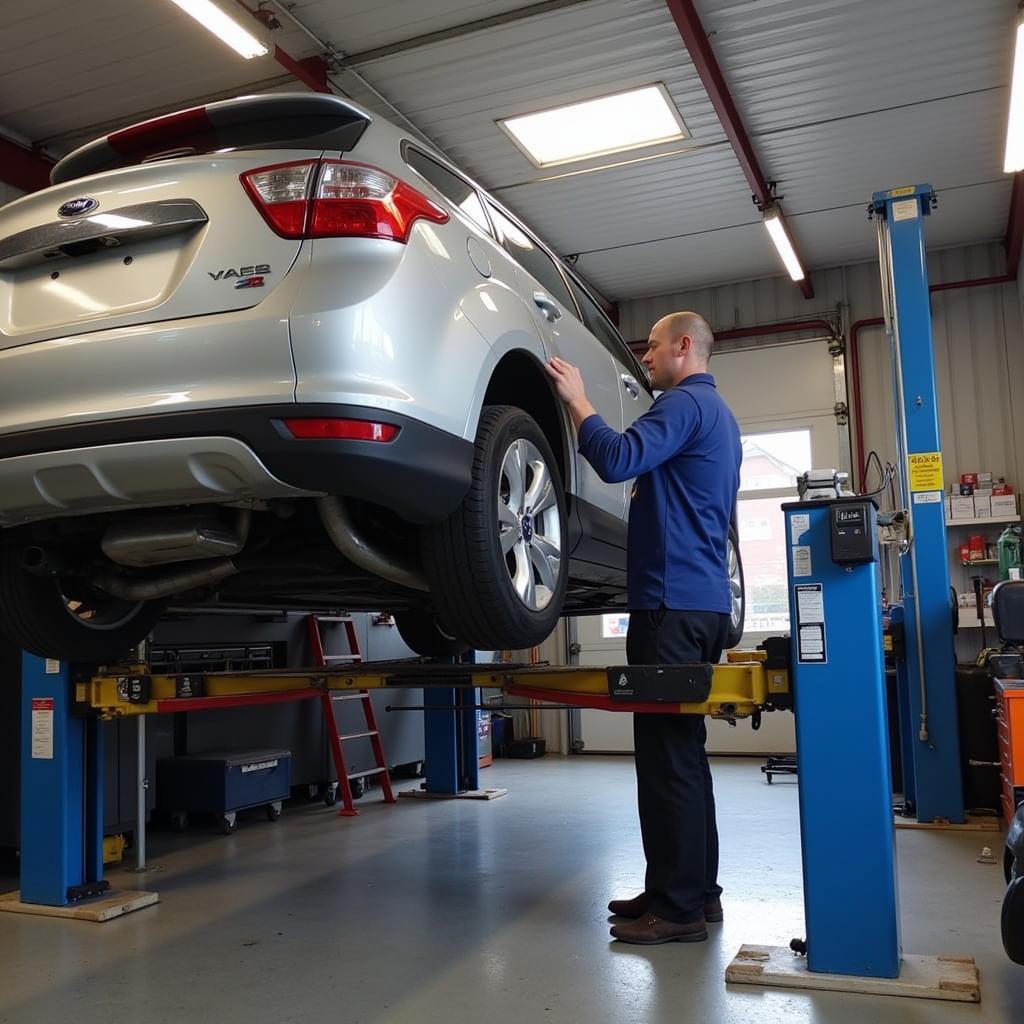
376,325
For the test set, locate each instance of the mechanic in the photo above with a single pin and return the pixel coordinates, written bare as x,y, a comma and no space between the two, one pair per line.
685,454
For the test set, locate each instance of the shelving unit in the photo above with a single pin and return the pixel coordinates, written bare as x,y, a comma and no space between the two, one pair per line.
983,521
960,576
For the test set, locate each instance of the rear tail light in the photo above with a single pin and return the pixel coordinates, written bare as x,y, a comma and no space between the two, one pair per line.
336,199
281,194
341,429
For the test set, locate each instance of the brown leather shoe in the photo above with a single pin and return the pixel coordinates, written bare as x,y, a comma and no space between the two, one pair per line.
651,931
634,908
637,907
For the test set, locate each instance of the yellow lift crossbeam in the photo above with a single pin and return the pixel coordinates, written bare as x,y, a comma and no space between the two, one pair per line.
739,688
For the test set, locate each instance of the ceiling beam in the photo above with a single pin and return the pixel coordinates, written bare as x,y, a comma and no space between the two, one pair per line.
445,35
23,169
684,13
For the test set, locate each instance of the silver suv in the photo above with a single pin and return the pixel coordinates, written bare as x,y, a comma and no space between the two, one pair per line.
274,352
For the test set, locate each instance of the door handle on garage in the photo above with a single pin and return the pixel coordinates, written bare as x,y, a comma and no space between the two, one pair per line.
631,384
547,306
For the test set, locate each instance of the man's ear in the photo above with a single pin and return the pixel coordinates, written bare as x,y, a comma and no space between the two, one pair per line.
685,344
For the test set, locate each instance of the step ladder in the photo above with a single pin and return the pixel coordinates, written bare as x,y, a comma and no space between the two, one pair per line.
327,701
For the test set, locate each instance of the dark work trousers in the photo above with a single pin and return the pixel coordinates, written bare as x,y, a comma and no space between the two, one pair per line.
674,791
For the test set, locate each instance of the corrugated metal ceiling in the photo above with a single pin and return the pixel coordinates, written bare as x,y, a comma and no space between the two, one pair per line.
841,97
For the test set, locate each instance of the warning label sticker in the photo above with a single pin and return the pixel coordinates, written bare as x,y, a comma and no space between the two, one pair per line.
904,209
810,623
42,728
925,471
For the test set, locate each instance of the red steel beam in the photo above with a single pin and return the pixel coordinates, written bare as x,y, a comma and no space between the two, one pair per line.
23,169
684,13
311,71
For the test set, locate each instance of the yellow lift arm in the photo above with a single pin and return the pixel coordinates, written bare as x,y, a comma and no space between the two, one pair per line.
741,687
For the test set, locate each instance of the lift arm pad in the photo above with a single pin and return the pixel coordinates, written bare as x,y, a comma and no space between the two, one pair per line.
668,684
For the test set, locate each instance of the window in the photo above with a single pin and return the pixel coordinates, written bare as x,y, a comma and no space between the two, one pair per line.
453,187
532,258
771,463
614,626
602,329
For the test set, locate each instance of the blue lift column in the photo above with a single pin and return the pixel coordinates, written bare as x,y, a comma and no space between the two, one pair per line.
847,836
61,790
931,731
451,738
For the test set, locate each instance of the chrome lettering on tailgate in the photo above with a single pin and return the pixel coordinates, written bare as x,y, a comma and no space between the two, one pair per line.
256,270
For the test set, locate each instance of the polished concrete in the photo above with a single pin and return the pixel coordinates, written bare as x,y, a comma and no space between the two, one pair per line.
480,912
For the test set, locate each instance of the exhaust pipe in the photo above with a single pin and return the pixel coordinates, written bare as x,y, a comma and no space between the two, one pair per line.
175,581
42,561
346,537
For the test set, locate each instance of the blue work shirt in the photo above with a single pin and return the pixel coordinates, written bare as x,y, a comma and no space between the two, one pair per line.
685,453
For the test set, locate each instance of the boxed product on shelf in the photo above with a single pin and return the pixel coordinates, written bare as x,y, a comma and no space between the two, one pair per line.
968,480
961,507
1001,488
982,506
1004,505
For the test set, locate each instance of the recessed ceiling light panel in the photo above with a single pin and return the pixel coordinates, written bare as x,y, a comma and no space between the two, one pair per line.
608,124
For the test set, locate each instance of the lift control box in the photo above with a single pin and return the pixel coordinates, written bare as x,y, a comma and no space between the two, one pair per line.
853,526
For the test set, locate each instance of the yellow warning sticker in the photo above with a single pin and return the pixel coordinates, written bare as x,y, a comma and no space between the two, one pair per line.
894,192
925,471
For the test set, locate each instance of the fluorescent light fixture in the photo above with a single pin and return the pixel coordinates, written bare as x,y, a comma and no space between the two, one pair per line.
229,22
1014,160
608,124
779,235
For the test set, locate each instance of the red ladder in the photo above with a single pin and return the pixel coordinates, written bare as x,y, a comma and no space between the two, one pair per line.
327,701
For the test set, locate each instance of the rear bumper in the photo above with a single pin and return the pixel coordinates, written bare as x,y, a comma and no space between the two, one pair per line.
226,455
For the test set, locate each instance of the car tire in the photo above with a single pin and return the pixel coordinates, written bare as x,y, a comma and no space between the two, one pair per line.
1013,921
737,590
36,615
423,633
492,580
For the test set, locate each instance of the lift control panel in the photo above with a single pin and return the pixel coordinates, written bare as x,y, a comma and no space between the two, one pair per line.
853,526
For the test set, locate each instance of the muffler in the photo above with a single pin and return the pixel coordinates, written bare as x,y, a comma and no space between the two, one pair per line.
168,539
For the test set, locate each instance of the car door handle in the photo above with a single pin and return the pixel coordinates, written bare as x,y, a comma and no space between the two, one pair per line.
631,384
547,306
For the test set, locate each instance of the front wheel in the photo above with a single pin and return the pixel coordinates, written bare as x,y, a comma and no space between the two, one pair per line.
68,619
498,566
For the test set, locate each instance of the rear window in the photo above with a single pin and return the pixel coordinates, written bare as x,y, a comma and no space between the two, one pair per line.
313,121
451,185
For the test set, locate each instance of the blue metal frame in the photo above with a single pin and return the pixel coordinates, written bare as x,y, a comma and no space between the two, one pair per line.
61,788
451,738
847,835
931,731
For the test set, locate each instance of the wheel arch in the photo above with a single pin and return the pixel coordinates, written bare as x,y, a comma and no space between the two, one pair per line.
519,379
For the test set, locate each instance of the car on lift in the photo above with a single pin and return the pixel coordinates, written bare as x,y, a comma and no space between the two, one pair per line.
275,352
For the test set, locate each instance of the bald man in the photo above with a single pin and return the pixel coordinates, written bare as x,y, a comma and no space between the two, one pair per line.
685,455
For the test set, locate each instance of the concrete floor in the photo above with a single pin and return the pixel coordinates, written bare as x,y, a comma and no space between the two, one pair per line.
466,912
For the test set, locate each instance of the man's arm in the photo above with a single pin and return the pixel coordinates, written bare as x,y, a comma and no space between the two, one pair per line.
652,439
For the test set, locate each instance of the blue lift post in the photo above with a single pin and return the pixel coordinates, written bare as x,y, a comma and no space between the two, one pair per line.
61,790
931,731
451,738
847,834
